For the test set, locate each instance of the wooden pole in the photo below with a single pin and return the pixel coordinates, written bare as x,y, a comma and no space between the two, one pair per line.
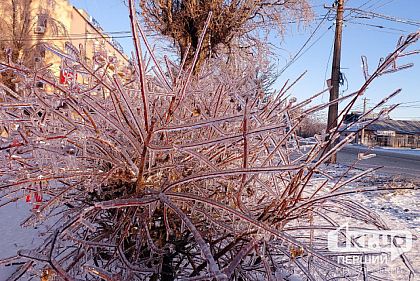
364,111
335,72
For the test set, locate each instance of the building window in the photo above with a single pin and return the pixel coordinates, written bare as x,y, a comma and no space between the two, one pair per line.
41,24
42,20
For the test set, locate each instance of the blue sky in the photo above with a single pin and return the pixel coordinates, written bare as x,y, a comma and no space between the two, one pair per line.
372,37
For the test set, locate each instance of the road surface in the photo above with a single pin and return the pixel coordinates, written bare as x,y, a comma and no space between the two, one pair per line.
394,164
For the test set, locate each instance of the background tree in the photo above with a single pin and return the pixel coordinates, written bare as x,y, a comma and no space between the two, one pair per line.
183,21
18,41
15,24
311,125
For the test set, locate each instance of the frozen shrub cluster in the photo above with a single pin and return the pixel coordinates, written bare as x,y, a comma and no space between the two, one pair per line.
173,176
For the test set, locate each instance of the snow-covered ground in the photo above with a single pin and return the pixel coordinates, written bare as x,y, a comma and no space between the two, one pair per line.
13,236
399,209
407,151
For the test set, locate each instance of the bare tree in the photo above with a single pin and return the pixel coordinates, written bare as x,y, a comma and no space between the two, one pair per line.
311,125
183,21
21,41
15,24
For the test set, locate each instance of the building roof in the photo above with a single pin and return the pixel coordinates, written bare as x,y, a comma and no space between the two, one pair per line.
399,126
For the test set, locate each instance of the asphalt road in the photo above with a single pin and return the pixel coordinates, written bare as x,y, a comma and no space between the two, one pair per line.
393,164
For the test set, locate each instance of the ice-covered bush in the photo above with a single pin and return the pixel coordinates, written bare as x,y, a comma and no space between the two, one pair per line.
168,175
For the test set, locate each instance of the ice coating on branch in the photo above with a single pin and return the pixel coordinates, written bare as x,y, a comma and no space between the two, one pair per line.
162,173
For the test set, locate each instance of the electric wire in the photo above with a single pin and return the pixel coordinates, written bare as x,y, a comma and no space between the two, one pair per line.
327,65
371,15
381,27
298,53
67,38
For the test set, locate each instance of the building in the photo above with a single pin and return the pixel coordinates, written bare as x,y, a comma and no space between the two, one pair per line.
385,132
32,23
34,32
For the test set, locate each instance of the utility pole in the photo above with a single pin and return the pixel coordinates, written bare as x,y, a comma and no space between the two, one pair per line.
335,72
364,111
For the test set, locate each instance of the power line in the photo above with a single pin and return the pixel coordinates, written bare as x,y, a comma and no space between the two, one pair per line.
381,27
373,4
410,106
408,102
362,14
62,38
400,105
316,40
384,4
361,6
390,1
297,55
372,15
326,67
105,34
